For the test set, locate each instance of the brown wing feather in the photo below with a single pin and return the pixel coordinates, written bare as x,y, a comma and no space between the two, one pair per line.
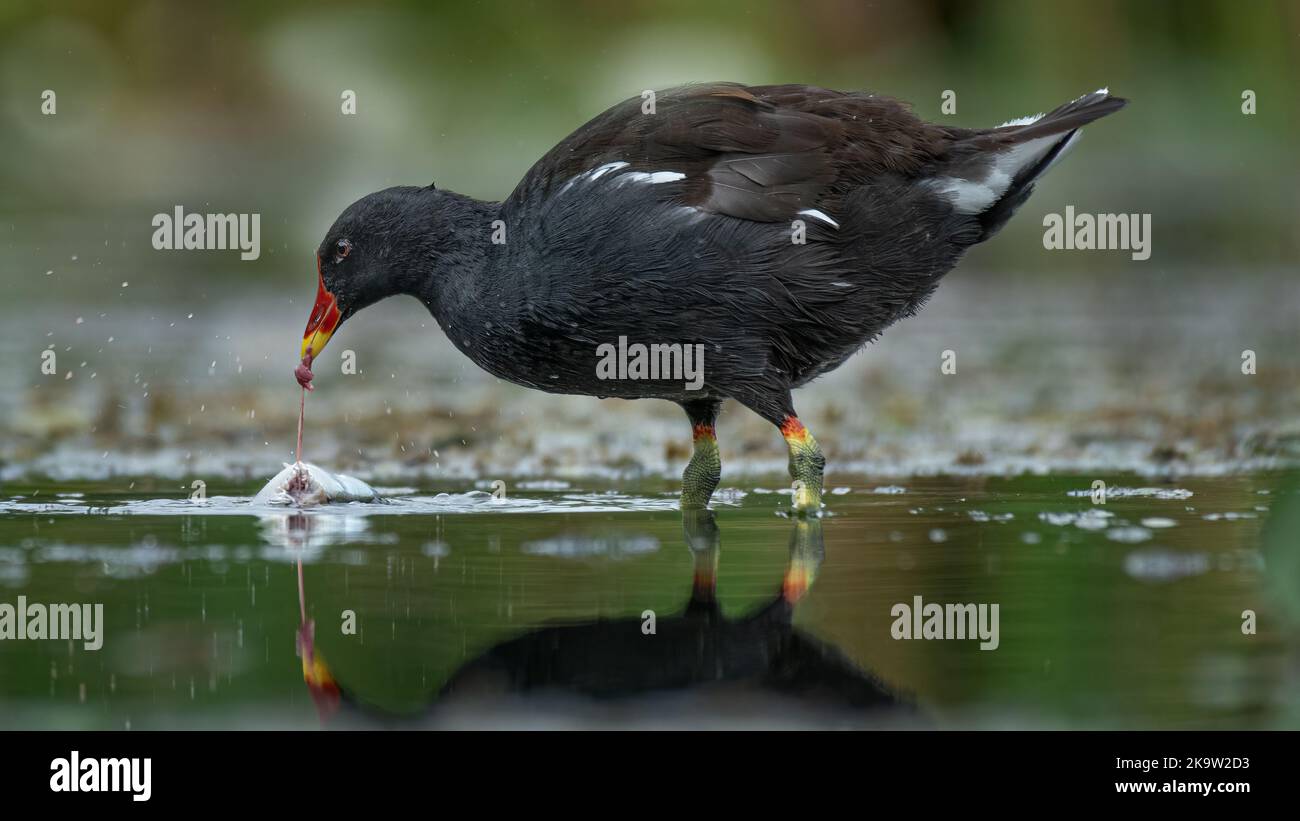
761,153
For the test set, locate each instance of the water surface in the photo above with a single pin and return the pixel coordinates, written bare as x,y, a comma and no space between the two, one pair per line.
529,611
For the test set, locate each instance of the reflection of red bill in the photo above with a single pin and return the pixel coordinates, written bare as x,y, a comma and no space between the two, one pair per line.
316,674
322,323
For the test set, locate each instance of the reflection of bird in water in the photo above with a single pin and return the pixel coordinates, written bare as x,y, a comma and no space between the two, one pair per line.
758,666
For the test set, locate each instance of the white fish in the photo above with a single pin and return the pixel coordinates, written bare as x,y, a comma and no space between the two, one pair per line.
306,485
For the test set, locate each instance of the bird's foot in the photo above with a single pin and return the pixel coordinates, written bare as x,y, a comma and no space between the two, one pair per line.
805,500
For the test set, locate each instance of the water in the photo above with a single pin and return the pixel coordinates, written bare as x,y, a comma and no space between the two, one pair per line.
972,487
1127,614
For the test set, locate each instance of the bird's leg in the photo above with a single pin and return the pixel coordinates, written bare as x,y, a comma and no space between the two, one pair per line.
806,466
704,471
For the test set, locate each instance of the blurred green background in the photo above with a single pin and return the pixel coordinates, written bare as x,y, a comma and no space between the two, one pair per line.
236,107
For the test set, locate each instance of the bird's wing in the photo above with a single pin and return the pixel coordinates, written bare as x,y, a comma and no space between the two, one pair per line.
762,153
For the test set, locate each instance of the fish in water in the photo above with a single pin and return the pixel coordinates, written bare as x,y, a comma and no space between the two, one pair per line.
777,228
306,485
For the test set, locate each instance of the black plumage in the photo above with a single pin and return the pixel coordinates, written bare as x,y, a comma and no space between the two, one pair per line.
680,225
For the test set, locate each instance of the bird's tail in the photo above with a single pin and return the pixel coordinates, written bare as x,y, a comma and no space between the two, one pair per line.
992,172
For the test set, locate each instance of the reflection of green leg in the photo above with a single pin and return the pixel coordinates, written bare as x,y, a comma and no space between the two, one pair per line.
704,471
807,549
702,537
806,466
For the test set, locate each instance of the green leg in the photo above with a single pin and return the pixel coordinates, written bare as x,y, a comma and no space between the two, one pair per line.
704,471
806,466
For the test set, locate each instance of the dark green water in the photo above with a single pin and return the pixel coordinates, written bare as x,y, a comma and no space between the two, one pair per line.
1104,621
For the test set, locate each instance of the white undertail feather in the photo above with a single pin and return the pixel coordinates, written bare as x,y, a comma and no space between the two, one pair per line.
1065,149
978,194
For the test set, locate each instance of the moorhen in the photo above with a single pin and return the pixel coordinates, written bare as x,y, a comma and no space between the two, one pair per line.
771,230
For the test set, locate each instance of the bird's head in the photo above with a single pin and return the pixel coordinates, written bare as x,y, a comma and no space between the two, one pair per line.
403,240
364,257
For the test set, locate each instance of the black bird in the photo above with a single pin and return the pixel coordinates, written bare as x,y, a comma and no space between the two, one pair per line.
771,231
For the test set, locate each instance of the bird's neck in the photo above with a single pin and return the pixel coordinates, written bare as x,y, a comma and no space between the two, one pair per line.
447,252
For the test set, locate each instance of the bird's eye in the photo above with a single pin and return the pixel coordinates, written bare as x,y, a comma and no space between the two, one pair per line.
341,249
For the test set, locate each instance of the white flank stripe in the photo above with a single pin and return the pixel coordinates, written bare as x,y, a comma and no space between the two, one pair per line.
653,178
818,215
648,177
597,173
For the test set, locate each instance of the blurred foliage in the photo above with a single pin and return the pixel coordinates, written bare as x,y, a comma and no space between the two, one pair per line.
236,107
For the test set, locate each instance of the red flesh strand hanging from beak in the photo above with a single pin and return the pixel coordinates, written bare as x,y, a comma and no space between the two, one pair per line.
321,325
